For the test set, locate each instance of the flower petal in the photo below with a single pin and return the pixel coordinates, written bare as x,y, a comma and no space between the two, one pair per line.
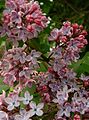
31,112
40,105
39,112
10,107
60,113
25,102
8,100
67,114
2,114
18,117
55,100
17,104
33,105
21,98
27,94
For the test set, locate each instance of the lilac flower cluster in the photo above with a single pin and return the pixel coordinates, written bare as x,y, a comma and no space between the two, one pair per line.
12,102
61,82
18,67
22,20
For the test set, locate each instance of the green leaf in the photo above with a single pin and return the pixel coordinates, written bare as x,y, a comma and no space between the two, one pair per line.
82,66
40,44
3,86
43,67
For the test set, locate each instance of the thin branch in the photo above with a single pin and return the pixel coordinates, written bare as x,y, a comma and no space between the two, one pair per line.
71,7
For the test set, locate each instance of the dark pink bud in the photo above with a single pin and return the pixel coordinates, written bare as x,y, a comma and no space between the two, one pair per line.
35,6
37,21
29,28
6,19
81,27
81,45
84,32
47,97
64,39
86,83
29,18
50,70
77,117
75,26
44,88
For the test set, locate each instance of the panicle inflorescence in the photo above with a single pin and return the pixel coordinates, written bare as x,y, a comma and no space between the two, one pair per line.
22,20
19,66
61,80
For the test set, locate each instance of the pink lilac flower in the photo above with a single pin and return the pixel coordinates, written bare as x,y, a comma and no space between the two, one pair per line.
80,103
62,95
12,102
85,80
54,34
24,115
19,55
76,117
33,57
27,98
64,92
67,29
59,100
9,79
64,110
54,86
25,72
20,66
57,52
4,65
36,109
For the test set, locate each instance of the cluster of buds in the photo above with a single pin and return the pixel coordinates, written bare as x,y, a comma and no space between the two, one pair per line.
22,20
69,31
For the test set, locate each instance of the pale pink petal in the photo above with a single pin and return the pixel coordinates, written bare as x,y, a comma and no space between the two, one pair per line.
21,98
39,112
37,54
40,105
28,58
27,94
8,100
25,102
10,107
18,117
22,73
2,115
17,104
33,105
55,100
67,113
31,112
65,88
